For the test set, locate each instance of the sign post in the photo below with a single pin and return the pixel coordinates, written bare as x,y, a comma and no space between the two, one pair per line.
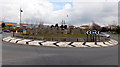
93,35
13,34
87,34
98,36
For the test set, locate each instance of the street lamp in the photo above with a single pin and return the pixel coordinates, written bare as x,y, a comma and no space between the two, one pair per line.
20,15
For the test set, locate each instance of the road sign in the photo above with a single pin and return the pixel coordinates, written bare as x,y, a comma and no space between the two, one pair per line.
24,31
98,32
94,32
92,35
88,32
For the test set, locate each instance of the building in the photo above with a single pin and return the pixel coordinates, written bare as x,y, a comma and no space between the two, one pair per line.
95,26
85,27
112,27
10,24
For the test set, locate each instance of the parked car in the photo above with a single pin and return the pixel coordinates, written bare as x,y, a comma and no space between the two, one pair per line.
1,32
104,35
6,30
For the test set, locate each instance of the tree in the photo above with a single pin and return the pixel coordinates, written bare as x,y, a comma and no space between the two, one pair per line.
104,29
56,25
3,25
51,26
61,26
65,27
118,29
95,27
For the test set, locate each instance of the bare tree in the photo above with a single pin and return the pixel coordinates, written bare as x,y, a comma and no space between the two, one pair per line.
95,26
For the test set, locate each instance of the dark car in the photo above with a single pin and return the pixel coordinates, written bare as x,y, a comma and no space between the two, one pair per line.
6,30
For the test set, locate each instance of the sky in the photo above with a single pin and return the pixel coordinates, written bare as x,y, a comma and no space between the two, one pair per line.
74,12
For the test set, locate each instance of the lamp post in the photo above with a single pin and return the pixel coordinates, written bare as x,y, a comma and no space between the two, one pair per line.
20,16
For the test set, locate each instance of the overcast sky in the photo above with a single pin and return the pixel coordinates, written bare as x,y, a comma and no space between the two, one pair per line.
75,12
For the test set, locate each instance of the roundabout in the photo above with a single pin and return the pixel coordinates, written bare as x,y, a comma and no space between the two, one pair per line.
14,53
32,42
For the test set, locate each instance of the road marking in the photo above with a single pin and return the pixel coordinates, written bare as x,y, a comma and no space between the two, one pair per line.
101,44
63,44
112,42
15,40
23,41
35,43
49,43
84,43
92,44
79,44
8,39
56,44
70,44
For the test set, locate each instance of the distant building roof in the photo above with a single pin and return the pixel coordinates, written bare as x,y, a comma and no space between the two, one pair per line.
85,26
1,21
11,22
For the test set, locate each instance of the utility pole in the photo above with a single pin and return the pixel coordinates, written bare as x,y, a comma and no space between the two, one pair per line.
20,16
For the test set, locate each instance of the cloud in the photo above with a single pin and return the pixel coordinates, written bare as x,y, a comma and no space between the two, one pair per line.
85,12
39,11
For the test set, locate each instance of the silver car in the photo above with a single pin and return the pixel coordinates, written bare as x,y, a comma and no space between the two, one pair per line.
104,35
1,32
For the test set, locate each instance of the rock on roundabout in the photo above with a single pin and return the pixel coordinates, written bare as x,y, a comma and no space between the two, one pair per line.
32,42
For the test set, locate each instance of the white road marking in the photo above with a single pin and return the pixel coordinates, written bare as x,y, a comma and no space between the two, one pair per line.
101,44
112,42
49,43
63,44
79,44
23,41
14,41
35,43
92,44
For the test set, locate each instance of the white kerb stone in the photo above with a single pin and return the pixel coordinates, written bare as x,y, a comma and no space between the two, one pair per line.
79,44
14,41
23,41
92,44
101,44
63,44
49,43
35,43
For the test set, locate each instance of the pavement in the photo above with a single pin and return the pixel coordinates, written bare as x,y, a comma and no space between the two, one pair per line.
14,54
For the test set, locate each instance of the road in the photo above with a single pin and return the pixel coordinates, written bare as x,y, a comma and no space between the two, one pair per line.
13,54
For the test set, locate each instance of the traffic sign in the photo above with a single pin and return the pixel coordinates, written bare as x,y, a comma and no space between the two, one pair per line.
98,32
24,31
94,32
88,32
